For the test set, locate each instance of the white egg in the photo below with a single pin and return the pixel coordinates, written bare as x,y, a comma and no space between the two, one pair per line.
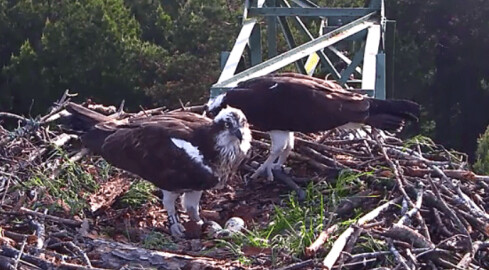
234,224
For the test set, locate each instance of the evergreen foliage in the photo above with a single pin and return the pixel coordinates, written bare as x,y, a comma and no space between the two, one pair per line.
481,165
147,52
155,52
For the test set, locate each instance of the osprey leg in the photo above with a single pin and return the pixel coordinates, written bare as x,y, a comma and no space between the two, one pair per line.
285,153
169,199
280,143
190,202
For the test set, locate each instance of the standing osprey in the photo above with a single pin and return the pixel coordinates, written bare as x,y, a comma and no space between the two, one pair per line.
284,103
179,152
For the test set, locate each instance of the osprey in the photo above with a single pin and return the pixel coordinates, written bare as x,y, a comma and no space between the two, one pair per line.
289,102
179,152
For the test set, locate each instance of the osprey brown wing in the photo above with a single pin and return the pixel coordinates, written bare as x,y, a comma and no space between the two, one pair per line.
148,151
308,82
296,104
186,118
144,146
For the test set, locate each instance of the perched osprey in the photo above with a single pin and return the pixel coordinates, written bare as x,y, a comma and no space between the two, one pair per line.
284,103
179,152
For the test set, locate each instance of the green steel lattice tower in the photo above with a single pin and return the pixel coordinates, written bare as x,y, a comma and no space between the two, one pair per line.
354,45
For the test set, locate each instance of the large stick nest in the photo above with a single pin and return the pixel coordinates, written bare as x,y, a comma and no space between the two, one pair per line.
416,198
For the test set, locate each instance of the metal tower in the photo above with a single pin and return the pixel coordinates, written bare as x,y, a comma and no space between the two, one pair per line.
354,45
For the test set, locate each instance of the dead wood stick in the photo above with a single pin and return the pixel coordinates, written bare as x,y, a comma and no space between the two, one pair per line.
322,147
432,265
397,174
298,265
340,243
62,139
75,158
62,257
404,233
14,116
24,211
449,212
375,254
349,246
404,207
121,106
346,205
17,259
319,242
353,240
407,156
7,186
71,266
418,148
446,264
322,158
437,248
337,248
294,155
182,106
409,151
399,258
149,112
117,255
478,224
374,224
41,263
79,155
371,161
19,236
443,229
377,211
465,261
195,109
471,205
419,201
431,199
119,113
457,174
77,250
258,134
466,200
464,221
481,245
39,233
411,257
424,227
357,263
58,141
369,149
347,142
59,106
7,263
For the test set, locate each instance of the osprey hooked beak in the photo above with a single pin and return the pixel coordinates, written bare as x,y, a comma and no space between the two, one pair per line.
234,123
237,132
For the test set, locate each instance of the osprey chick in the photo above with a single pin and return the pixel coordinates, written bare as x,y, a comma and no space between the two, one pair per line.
179,152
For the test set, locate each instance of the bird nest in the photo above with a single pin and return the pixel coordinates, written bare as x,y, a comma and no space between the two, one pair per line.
355,199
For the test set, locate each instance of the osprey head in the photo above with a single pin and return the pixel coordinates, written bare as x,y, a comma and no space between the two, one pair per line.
215,105
233,128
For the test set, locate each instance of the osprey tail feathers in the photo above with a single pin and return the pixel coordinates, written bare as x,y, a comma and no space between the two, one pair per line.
81,118
391,114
